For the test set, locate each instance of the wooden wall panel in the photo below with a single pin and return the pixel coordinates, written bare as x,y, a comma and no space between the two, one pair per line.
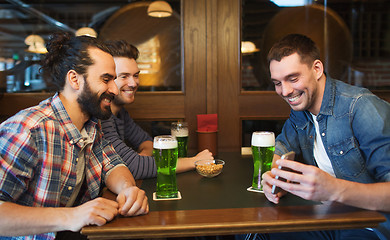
157,106
195,63
212,56
228,67
263,105
11,103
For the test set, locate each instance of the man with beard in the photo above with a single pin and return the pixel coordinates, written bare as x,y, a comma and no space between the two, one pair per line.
54,161
120,129
342,133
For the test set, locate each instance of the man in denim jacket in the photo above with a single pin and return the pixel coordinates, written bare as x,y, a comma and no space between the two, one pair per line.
342,133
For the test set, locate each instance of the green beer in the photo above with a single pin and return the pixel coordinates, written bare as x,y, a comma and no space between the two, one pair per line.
263,148
165,154
182,143
180,131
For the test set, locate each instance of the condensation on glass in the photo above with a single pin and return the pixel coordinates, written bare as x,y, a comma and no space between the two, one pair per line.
158,39
353,37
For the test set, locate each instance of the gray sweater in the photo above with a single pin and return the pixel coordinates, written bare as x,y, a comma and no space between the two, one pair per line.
125,135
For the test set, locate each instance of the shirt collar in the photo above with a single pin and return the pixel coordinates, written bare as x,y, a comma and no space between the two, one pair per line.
73,135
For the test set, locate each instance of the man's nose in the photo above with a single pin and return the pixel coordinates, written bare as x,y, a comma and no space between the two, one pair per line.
286,89
131,82
112,88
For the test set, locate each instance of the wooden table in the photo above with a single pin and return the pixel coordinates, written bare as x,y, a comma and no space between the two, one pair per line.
223,206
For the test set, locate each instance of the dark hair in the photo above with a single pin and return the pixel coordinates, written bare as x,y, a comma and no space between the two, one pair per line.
67,52
295,43
121,48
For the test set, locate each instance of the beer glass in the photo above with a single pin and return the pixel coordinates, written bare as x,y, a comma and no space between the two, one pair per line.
263,148
180,131
165,155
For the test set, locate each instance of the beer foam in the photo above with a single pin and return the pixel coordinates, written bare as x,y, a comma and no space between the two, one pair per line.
263,139
165,144
179,132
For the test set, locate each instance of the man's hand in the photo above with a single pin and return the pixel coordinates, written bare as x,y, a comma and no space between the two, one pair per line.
267,177
312,184
132,201
98,212
187,164
204,155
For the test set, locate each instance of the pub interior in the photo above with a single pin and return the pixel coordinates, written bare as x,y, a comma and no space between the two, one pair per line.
195,61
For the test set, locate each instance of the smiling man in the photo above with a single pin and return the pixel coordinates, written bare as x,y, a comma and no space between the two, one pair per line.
304,94
132,143
342,133
53,158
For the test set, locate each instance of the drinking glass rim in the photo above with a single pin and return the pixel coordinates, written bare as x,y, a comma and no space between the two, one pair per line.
263,139
165,137
158,142
263,132
179,124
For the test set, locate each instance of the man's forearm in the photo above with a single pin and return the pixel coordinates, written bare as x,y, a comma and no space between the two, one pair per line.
119,179
146,148
17,220
373,196
185,164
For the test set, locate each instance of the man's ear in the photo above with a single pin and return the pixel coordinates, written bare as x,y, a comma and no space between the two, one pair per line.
74,79
318,68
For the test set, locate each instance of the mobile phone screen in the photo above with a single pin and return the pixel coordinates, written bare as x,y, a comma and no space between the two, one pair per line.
289,156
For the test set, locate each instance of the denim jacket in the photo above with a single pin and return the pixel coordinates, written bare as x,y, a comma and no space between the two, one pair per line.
355,129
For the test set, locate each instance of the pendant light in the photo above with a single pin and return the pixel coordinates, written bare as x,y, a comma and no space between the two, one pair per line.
159,9
248,47
36,44
86,31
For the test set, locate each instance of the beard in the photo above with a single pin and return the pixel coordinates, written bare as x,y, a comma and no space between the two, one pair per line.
90,103
118,101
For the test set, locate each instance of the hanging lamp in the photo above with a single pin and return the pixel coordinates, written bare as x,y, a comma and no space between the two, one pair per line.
86,31
248,47
36,44
159,9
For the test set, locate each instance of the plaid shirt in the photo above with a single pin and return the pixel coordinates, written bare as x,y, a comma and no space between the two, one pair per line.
39,147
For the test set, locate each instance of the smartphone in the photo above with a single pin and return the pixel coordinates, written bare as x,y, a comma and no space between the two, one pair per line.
288,156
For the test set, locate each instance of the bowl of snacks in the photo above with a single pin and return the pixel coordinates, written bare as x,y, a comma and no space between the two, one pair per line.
209,168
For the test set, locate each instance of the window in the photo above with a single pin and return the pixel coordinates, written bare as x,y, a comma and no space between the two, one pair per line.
354,41
158,39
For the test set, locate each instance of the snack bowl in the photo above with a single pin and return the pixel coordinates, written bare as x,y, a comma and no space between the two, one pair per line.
209,168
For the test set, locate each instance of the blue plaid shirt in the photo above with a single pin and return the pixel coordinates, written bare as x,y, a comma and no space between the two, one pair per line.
39,147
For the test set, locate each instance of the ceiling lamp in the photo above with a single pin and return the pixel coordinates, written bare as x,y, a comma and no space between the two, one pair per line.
86,31
248,47
159,9
290,3
36,44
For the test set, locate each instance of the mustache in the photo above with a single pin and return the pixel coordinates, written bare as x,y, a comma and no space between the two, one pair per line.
109,96
132,88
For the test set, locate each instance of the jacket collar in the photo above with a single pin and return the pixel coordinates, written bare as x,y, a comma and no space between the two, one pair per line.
329,97
302,118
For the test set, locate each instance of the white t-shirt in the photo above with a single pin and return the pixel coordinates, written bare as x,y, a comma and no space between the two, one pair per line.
80,167
320,154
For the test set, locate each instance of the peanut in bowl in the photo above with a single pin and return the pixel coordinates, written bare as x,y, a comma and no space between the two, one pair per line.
209,168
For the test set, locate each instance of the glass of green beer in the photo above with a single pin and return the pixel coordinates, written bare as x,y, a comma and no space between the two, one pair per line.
165,155
263,148
180,131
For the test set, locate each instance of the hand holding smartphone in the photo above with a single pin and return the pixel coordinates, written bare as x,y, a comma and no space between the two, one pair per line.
288,156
